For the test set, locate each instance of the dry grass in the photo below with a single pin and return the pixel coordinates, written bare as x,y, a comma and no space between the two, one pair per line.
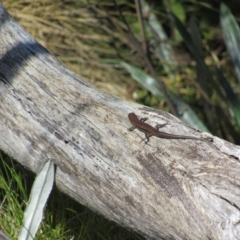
76,32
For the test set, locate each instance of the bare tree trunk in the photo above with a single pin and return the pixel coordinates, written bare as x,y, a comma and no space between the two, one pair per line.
166,189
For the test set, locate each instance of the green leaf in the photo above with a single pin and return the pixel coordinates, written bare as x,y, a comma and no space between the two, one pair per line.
202,67
235,104
145,80
159,39
231,34
178,9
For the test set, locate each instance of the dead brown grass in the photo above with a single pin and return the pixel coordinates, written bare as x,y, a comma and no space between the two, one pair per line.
75,32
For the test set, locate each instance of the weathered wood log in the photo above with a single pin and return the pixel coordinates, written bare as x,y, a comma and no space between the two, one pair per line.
166,189
3,236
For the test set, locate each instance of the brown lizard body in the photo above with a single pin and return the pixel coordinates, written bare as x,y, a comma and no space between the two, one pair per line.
151,131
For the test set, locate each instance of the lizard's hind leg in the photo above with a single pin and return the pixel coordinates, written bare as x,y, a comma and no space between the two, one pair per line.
160,125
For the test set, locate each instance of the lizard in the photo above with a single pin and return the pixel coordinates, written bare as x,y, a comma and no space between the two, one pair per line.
151,131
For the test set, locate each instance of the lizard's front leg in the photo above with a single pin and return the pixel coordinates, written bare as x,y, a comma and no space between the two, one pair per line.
131,128
147,136
143,119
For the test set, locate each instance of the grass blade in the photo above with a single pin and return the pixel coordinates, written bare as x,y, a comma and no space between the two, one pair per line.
41,189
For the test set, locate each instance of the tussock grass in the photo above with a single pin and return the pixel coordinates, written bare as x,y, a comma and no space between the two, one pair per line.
77,34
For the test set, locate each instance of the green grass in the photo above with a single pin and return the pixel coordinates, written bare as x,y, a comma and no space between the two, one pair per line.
63,217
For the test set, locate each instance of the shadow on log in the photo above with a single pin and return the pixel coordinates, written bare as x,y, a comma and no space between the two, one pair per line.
166,189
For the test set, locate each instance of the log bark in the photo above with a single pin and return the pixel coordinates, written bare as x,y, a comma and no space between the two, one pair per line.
166,189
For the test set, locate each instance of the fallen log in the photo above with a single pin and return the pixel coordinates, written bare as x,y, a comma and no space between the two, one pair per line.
165,189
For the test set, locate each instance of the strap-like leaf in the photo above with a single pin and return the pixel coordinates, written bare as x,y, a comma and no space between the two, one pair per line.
41,189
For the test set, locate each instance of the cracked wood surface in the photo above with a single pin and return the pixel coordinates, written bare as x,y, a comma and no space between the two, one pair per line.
166,189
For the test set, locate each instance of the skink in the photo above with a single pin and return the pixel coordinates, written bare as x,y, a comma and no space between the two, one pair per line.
151,131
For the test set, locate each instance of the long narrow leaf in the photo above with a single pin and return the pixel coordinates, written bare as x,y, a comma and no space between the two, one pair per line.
235,103
144,79
159,39
231,34
41,189
197,55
